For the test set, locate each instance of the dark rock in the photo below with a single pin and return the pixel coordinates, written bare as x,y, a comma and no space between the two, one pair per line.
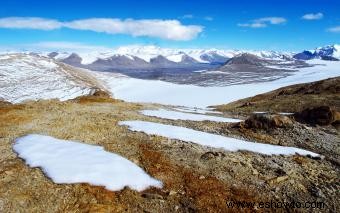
211,155
267,121
101,93
322,115
314,191
152,196
246,104
188,204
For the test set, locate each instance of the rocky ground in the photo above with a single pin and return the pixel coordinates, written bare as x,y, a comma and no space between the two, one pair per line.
196,178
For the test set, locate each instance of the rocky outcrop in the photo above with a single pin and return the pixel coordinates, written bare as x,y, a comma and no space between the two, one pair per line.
267,121
322,115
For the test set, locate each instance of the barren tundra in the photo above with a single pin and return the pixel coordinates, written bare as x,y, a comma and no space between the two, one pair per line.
194,177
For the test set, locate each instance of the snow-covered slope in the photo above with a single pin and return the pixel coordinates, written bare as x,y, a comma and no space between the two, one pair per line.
32,77
329,52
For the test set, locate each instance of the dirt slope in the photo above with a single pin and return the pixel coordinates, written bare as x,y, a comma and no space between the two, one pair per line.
290,99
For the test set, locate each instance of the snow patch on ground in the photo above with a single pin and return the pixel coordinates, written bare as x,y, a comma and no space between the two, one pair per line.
73,162
173,115
211,140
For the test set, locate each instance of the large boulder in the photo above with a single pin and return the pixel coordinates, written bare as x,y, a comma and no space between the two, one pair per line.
322,115
267,121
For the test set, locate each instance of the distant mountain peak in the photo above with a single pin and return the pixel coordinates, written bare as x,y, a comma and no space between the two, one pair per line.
329,52
246,59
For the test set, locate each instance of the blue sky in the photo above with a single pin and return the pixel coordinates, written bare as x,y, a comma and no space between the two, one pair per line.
248,24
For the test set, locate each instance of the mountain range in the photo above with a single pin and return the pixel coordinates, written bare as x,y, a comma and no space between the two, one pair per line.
152,57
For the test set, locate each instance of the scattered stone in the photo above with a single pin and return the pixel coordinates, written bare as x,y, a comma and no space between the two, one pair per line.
246,104
277,180
188,204
152,196
101,93
210,155
172,192
315,191
301,187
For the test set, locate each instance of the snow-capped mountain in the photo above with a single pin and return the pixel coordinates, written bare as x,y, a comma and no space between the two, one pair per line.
33,77
151,57
330,52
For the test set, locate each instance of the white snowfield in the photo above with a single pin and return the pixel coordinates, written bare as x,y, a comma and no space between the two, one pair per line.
212,140
197,110
173,115
74,162
153,91
31,77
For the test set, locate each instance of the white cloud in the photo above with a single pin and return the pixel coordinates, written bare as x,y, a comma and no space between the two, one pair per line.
208,18
312,16
271,20
165,29
264,22
253,25
29,23
187,16
334,29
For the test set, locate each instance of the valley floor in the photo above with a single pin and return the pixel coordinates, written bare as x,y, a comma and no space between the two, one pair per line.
195,177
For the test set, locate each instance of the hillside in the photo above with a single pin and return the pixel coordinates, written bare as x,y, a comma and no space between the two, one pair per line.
290,99
32,77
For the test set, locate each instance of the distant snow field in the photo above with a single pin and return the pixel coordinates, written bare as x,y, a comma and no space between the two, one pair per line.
173,115
74,162
211,140
155,91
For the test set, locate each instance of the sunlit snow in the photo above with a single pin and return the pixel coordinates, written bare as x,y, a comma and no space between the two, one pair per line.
74,162
211,140
173,115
